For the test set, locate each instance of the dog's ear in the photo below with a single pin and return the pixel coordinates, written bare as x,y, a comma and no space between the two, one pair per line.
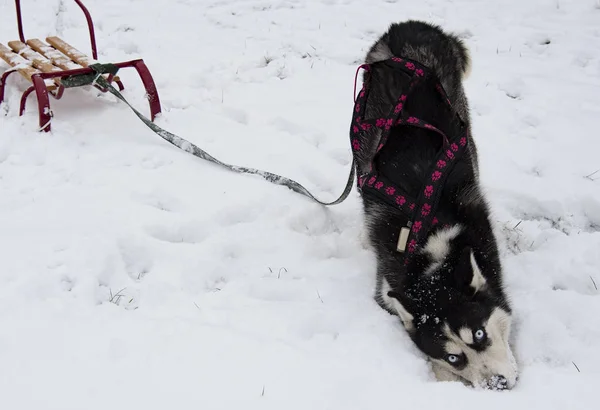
401,302
467,274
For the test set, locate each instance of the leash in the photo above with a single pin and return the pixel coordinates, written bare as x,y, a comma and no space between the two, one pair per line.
96,78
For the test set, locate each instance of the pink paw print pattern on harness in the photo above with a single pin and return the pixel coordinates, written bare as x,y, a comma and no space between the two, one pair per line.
428,191
426,209
390,190
355,145
400,200
436,175
410,66
417,226
412,246
379,185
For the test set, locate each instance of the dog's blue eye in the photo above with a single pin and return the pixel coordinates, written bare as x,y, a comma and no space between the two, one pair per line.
452,358
479,334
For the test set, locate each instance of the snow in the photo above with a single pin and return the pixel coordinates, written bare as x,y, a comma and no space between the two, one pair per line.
135,276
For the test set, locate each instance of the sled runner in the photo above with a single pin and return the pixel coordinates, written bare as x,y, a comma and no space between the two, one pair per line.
54,65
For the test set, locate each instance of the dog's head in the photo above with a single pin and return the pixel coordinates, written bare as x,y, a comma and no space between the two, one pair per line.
456,314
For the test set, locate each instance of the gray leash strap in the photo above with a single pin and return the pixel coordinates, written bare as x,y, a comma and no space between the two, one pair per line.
200,153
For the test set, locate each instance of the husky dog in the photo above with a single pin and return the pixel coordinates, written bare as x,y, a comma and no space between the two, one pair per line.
449,296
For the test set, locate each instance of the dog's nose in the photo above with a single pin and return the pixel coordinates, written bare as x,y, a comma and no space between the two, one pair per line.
498,382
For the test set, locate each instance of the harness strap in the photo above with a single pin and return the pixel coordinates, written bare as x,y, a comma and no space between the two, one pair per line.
200,153
366,68
420,211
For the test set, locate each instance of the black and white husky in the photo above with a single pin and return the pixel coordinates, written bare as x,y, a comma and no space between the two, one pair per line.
446,283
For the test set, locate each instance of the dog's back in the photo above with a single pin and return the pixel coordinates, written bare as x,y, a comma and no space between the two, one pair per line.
442,52
446,56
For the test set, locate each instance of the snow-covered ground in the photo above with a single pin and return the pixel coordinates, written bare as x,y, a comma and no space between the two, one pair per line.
135,276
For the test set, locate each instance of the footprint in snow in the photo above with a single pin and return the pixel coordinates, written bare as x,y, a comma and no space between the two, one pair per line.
313,222
237,215
187,232
137,257
513,88
154,161
159,200
292,128
237,115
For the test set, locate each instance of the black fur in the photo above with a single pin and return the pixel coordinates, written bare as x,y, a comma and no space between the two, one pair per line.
444,295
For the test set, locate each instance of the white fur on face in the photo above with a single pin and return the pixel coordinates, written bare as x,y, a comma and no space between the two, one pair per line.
496,360
395,306
466,334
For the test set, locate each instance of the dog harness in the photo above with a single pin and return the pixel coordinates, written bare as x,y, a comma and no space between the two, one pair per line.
420,211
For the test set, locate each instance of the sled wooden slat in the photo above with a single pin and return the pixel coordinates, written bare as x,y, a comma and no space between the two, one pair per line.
39,61
70,51
57,58
23,66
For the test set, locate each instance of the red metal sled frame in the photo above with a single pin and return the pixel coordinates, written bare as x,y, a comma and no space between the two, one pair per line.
39,86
